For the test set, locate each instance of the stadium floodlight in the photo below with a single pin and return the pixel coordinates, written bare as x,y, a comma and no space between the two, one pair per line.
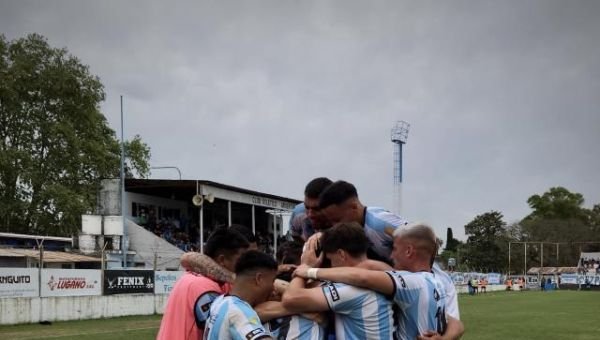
399,136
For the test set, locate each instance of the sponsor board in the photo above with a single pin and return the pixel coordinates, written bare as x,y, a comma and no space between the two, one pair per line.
19,282
458,278
71,282
494,278
124,281
568,279
588,279
165,280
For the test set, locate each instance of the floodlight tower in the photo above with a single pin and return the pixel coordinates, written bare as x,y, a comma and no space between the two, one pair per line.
399,137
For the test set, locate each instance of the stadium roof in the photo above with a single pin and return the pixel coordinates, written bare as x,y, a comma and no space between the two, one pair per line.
187,188
49,256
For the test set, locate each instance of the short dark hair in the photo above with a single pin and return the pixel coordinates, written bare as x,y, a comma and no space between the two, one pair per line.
348,236
336,193
253,260
245,231
224,241
290,252
315,187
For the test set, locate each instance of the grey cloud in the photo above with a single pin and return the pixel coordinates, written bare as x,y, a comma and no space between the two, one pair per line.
502,96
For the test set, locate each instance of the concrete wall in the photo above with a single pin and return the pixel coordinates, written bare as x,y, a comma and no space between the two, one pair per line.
33,310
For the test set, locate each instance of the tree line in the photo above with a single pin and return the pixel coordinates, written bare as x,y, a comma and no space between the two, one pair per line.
558,227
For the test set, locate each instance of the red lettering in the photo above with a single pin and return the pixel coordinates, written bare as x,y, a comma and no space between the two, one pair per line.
71,284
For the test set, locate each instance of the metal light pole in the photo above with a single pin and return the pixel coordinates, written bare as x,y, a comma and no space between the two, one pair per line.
124,238
276,213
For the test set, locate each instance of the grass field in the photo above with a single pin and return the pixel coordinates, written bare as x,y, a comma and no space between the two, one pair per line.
515,315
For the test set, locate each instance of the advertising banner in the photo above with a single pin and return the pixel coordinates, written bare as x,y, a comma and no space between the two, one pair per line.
568,279
123,281
494,278
588,279
458,278
19,282
165,280
71,282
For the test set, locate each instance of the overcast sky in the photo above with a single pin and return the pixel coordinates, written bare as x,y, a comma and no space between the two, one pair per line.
503,97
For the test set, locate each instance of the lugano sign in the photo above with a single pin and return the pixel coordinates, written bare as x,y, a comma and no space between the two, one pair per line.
71,282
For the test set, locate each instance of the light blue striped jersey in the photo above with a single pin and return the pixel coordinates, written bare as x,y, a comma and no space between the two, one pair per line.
295,327
233,318
379,228
380,225
421,299
360,313
300,225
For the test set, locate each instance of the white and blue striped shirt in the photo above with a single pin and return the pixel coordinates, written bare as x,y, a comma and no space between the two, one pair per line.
360,313
380,225
295,327
233,318
421,298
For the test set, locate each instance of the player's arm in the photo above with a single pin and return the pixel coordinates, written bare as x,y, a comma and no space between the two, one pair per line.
298,298
454,331
375,265
371,279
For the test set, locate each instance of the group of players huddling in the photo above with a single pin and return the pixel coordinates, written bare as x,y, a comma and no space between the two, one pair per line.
348,272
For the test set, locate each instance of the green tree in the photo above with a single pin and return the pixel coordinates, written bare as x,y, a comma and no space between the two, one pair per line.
486,237
55,144
451,242
558,215
557,203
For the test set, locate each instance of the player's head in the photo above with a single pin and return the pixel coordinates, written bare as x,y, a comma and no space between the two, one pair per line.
255,272
225,246
312,191
414,247
289,253
247,233
345,244
339,203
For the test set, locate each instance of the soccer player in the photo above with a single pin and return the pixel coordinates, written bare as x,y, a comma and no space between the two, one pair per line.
231,315
280,322
306,217
359,313
187,306
416,291
340,203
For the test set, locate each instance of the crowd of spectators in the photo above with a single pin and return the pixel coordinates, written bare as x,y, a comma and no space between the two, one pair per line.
589,265
173,230
184,235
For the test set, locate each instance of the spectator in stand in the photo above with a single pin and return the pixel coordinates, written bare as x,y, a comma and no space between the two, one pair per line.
247,233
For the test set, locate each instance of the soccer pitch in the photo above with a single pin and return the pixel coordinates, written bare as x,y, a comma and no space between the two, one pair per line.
505,315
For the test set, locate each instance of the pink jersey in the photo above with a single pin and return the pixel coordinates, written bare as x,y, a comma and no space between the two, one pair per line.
187,307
